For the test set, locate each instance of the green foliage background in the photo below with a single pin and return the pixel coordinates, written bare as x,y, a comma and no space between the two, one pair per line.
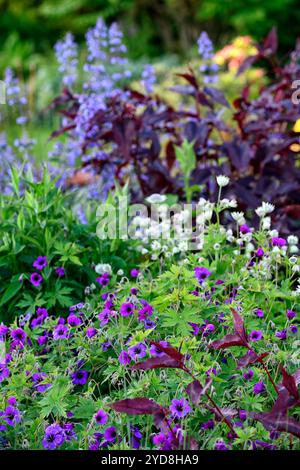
29,27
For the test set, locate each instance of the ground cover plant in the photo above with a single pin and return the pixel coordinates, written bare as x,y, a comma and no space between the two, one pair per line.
198,353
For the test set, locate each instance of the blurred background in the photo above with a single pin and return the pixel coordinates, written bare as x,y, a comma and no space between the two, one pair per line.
153,28
159,32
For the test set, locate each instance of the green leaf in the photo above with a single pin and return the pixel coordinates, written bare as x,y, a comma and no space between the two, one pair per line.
10,292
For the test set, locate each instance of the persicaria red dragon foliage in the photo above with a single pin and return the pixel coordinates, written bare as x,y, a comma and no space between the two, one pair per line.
136,133
275,420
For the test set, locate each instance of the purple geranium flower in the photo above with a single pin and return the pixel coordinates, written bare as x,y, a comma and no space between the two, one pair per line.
37,380
90,332
290,314
103,280
54,437
4,330
134,272
155,351
220,445
281,334
60,271
60,332
249,374
18,335
36,279
80,377
277,241
255,335
40,263
4,372
201,273
294,329
258,388
101,417
138,351
245,229
259,313
259,253
104,316
12,416
136,437
110,434
180,407
124,358
74,320
127,309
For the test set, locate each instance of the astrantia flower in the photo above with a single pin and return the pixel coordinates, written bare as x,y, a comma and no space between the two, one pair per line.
156,198
12,416
138,351
127,309
36,279
124,358
222,180
201,273
18,335
256,335
40,263
277,241
101,417
80,377
60,332
54,437
110,434
258,388
180,407
264,209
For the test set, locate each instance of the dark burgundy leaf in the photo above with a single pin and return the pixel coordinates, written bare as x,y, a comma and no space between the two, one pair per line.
172,352
289,383
250,358
136,406
227,342
162,362
195,390
216,95
239,326
247,64
190,78
271,42
278,422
